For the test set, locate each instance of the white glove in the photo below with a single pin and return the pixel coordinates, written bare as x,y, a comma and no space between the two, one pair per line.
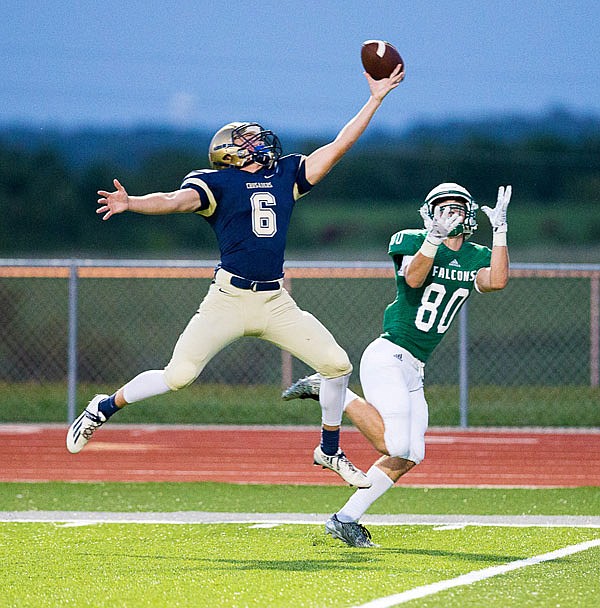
425,215
442,225
497,215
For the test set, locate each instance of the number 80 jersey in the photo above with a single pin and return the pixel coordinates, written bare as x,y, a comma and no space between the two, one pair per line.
419,317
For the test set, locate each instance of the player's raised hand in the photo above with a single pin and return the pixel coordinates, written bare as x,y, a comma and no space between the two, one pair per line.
443,223
113,202
425,215
380,88
497,215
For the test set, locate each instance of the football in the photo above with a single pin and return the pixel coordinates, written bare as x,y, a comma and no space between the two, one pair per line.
379,58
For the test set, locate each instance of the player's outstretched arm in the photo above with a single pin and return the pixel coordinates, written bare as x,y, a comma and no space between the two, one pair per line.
321,161
158,203
496,276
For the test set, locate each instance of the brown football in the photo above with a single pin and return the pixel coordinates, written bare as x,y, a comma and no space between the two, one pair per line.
379,58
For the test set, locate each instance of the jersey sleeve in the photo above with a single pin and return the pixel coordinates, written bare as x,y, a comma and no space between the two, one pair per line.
303,185
483,255
296,163
200,181
406,242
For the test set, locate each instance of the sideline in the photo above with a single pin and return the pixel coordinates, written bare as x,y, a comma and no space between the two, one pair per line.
475,576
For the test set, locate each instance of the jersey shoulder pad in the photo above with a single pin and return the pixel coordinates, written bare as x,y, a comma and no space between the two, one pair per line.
477,247
198,174
480,252
406,242
290,162
293,165
294,157
208,184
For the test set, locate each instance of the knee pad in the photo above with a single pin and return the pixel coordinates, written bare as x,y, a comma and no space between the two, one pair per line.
396,446
179,375
402,445
338,364
417,454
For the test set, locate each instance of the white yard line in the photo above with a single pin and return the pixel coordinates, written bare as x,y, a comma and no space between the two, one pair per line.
264,520
475,576
209,517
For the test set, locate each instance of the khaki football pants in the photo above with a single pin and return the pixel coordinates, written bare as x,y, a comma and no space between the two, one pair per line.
228,313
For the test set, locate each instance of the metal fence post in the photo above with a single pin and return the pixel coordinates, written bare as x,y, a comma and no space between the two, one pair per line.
463,365
72,344
286,358
594,331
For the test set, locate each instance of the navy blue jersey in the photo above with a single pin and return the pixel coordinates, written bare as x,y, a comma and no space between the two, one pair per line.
250,213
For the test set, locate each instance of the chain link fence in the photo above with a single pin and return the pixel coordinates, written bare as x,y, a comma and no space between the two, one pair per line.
525,356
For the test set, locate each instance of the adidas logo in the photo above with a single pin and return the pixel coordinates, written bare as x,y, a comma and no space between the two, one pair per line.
454,263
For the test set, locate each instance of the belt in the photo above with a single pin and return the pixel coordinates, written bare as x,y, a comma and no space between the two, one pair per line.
242,283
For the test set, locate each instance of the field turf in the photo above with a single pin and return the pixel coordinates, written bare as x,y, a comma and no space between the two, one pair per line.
70,563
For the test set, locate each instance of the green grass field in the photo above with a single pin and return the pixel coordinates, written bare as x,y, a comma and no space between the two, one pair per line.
261,404
288,564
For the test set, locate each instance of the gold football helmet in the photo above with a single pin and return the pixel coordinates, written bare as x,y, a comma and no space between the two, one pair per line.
238,144
449,190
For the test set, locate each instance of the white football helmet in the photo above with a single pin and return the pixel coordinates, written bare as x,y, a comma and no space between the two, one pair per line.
450,190
238,144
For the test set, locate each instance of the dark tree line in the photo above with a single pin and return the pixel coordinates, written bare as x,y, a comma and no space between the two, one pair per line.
48,203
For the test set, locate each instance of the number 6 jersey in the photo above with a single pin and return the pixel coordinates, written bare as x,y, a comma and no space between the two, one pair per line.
250,213
419,317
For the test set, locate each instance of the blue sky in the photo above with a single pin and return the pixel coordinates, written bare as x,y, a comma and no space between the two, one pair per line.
290,65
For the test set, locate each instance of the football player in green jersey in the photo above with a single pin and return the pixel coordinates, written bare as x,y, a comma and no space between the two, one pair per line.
436,270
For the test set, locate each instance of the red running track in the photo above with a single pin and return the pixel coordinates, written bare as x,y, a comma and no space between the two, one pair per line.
283,455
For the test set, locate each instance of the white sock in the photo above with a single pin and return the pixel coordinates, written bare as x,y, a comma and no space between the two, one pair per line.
144,385
331,398
363,498
348,397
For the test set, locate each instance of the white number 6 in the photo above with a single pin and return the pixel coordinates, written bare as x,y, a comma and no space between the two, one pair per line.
264,220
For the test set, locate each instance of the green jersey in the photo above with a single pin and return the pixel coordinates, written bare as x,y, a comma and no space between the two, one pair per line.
418,318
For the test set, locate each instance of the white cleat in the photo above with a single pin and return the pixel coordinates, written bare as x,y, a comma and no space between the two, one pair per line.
81,431
305,388
340,464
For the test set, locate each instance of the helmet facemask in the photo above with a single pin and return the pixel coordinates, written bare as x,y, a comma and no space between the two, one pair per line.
240,144
450,191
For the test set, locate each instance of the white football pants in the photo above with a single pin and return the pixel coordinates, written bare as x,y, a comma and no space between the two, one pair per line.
392,381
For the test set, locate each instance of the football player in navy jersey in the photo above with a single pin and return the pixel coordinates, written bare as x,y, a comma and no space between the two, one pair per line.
436,270
247,197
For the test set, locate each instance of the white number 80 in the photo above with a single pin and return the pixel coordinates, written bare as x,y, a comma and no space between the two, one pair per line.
428,311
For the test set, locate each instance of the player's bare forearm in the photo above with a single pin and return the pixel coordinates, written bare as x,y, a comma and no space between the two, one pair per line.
321,161
356,126
496,276
499,268
418,270
158,203
163,203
